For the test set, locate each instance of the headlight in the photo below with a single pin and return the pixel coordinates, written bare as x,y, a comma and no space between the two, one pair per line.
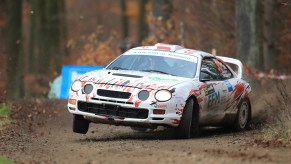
88,88
143,95
163,95
76,86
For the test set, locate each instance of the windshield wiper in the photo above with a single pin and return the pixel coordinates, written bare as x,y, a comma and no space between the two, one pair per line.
157,71
118,68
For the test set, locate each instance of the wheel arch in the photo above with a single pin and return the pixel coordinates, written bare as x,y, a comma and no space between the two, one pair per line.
196,106
250,107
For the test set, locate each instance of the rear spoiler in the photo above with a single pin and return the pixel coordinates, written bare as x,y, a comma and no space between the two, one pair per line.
237,63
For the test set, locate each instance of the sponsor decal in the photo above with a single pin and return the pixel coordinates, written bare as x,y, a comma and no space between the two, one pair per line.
176,121
213,99
180,112
136,103
160,105
87,98
130,99
238,90
229,86
163,79
164,54
209,89
125,83
188,52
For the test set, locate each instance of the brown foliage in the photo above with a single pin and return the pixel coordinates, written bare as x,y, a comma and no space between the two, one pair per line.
95,49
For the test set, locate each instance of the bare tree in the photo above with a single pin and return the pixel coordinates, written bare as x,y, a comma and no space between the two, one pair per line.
248,32
142,26
270,33
14,49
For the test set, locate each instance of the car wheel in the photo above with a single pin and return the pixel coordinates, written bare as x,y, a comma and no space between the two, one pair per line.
80,125
189,123
243,115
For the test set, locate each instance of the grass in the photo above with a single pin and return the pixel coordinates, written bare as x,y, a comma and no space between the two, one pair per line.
278,127
4,160
277,132
4,120
4,115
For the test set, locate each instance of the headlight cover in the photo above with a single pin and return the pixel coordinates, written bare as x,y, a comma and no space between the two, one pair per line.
76,86
88,88
163,95
143,95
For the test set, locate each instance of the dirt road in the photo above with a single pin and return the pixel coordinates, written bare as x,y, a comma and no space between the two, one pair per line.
44,135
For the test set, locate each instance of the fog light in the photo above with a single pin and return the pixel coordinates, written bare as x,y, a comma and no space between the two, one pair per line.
72,101
88,88
143,95
159,111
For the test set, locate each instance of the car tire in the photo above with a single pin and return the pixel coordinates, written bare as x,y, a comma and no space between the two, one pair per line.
80,125
189,123
243,115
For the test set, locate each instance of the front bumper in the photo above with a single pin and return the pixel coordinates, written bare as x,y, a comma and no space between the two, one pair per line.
110,111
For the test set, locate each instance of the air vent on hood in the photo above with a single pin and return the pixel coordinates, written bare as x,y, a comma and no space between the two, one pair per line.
127,75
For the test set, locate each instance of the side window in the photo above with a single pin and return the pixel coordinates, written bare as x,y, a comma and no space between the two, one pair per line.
224,71
215,69
210,68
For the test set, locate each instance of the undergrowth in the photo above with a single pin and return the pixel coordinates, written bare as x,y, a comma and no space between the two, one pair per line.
278,126
4,115
5,160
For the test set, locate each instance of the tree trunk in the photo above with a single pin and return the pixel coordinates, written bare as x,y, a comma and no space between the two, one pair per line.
14,49
44,47
162,9
142,27
162,25
248,32
31,39
124,20
50,33
270,31
54,16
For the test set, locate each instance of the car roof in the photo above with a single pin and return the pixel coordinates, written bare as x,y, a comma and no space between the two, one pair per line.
174,49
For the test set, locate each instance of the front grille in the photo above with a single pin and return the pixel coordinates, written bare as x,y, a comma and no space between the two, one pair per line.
114,101
113,110
113,94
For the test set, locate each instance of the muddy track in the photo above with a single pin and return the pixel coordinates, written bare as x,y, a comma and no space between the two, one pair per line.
43,134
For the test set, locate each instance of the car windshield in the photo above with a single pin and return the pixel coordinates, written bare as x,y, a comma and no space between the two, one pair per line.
157,64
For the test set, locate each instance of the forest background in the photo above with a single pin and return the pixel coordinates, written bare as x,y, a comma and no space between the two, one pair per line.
38,37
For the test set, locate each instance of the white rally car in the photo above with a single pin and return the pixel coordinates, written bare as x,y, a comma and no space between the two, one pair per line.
163,85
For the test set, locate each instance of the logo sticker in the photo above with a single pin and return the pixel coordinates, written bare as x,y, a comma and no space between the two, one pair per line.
229,86
209,89
213,99
163,79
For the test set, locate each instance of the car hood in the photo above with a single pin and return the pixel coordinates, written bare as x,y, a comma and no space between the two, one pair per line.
136,79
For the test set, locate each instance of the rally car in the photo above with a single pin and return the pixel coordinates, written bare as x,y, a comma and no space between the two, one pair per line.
163,85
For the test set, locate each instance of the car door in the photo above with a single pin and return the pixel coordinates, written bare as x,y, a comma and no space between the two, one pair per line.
215,89
227,85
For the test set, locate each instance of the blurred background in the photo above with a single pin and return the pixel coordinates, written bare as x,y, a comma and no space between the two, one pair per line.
38,37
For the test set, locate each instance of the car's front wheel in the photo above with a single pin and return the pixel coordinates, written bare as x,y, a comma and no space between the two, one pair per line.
80,125
189,122
243,115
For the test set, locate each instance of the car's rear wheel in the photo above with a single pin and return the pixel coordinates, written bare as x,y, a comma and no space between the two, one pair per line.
243,115
80,125
189,122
